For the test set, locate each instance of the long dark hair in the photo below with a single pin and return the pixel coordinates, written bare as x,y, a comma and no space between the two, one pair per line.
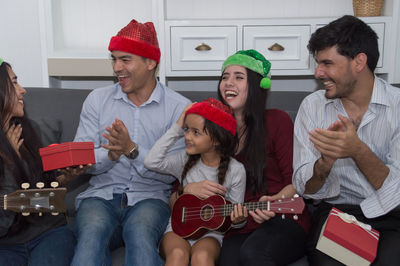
30,147
254,148
226,148
29,150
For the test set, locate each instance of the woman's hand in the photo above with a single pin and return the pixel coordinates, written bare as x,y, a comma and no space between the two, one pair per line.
261,216
205,189
70,173
14,133
239,214
181,118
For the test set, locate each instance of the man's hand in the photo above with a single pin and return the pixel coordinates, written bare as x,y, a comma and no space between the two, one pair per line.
205,189
119,140
340,140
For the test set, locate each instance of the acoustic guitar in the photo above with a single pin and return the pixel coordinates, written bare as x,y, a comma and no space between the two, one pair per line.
192,217
36,200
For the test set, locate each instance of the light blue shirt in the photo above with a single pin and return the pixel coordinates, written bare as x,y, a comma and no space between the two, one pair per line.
379,130
146,124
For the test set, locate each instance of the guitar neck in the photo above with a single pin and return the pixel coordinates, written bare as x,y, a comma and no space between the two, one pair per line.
291,205
251,206
35,200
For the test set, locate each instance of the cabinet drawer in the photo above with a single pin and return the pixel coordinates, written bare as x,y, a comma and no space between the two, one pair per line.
285,46
201,48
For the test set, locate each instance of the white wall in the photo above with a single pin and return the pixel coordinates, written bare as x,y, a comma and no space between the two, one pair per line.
22,40
24,30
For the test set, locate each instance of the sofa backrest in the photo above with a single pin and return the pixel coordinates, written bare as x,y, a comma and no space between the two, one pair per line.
57,111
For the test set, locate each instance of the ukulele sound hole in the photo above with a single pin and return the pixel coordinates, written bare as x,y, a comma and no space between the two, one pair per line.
207,213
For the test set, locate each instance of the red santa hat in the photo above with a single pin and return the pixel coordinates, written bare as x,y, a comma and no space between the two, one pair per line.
217,112
138,39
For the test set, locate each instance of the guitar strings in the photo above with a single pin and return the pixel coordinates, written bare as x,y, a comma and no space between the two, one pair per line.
198,216
250,205
195,214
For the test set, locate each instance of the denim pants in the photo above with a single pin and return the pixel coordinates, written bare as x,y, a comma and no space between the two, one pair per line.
101,225
54,247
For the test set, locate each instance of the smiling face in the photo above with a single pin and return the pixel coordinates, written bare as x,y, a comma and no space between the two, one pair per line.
197,140
234,87
336,73
133,72
18,97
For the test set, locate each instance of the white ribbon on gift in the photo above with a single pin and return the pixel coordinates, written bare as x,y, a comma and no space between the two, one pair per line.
351,219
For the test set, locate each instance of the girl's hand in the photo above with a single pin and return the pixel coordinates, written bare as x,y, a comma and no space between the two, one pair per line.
239,214
182,116
204,189
70,173
261,216
14,133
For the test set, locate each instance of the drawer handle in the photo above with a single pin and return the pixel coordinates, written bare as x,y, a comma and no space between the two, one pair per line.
203,47
276,47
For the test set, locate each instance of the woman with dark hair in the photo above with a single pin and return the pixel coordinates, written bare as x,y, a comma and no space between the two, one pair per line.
266,150
34,239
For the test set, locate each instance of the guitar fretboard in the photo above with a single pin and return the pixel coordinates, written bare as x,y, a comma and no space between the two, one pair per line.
251,206
292,205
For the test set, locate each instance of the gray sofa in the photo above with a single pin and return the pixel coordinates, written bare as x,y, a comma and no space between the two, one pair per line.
57,112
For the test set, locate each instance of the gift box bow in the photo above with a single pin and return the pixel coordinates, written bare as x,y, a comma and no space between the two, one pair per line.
351,219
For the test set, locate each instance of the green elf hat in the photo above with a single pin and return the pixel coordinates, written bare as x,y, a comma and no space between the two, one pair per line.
252,60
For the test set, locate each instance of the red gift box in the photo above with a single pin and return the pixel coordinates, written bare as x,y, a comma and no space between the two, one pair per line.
348,240
67,154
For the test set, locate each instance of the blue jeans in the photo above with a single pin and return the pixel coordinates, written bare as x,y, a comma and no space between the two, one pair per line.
101,225
54,247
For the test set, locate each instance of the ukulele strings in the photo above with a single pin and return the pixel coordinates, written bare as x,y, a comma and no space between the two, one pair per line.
194,215
231,206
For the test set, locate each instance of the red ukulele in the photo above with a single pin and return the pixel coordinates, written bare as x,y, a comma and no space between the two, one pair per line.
192,217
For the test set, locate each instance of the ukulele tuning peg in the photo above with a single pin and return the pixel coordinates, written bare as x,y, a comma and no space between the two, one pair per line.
295,217
55,213
295,195
40,185
54,184
283,196
25,185
25,213
283,216
40,214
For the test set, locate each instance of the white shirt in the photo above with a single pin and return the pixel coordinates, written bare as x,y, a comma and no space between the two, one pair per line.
379,130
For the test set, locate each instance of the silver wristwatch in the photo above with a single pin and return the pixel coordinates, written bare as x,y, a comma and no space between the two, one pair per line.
134,152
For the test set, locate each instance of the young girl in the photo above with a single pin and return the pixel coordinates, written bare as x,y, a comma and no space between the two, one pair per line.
209,128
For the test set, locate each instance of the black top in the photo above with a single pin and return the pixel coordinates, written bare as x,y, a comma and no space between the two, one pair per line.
35,224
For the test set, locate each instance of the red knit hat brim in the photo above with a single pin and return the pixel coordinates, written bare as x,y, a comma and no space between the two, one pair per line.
134,47
215,115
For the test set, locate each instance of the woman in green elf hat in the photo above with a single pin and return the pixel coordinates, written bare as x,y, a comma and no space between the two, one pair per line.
266,150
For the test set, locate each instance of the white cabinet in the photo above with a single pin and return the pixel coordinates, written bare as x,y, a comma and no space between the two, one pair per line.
285,46
199,47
